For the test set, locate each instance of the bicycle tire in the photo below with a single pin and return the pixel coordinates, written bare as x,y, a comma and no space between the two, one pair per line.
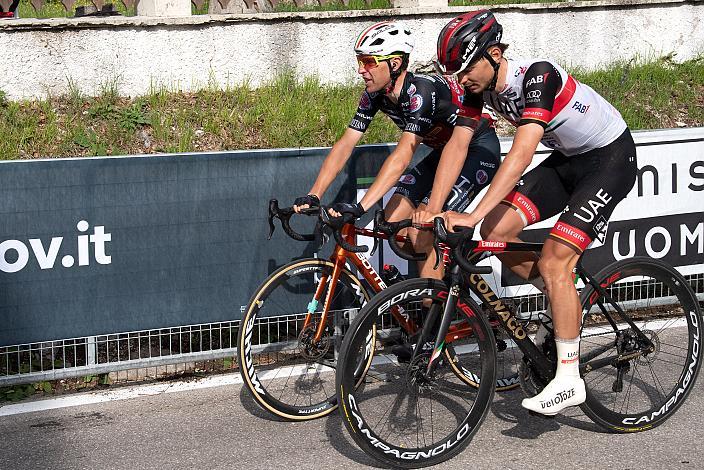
288,382
663,305
394,390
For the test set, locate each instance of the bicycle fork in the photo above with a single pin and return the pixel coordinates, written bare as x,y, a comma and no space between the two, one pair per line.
445,320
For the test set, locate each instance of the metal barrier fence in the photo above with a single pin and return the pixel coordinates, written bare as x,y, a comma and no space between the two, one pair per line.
76,357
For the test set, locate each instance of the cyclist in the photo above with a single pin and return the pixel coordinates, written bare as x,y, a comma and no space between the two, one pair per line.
425,108
592,168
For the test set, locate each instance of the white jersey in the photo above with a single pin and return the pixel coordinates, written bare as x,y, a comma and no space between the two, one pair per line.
575,117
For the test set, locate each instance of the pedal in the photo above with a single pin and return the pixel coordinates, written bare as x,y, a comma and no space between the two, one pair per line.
540,415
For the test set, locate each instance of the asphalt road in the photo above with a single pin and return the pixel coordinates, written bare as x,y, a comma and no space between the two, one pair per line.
221,427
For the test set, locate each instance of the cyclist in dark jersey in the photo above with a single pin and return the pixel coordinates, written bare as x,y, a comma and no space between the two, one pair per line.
592,168
426,108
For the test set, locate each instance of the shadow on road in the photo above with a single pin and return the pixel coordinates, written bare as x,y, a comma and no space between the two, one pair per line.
343,444
507,407
251,407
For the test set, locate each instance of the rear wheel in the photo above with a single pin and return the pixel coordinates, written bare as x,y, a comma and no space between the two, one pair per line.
400,415
635,382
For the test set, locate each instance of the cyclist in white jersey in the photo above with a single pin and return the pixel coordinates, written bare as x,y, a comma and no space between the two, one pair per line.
592,168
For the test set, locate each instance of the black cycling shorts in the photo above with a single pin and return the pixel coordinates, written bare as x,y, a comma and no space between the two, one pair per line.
585,188
480,166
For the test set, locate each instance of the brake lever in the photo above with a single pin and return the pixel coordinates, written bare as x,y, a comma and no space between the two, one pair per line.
378,217
273,212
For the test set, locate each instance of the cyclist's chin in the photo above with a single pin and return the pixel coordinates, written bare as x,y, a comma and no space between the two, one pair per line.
372,86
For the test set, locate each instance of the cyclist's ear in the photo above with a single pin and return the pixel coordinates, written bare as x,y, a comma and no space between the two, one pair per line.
396,64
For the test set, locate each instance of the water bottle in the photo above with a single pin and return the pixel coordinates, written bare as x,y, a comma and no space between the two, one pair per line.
391,275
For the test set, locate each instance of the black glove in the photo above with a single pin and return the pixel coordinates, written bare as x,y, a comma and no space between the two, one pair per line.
355,209
311,199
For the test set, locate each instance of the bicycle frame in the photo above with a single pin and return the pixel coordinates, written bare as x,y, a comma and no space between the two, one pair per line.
360,260
507,319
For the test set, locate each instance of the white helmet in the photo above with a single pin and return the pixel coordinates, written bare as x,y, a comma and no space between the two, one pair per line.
383,39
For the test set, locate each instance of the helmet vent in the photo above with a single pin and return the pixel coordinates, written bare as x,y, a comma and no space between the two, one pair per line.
394,32
378,42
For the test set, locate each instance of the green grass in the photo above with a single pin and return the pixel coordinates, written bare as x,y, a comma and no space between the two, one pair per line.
54,8
287,113
337,5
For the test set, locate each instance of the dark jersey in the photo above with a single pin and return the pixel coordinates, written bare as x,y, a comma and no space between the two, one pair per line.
429,106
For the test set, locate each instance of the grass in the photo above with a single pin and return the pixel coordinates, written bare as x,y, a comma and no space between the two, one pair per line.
288,113
54,8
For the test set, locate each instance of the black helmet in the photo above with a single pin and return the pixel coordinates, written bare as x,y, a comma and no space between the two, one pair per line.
465,40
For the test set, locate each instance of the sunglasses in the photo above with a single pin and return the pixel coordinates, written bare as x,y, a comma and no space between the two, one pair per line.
369,62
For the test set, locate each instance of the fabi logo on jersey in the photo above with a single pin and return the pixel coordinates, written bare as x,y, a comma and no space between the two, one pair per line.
482,177
14,254
416,103
538,79
581,108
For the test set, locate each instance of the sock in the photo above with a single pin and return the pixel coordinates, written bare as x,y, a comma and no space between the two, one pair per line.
567,357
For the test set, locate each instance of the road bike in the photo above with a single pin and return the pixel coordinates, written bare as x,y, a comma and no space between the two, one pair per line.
292,327
640,353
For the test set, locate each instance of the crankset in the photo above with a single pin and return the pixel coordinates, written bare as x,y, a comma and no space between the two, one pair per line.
528,378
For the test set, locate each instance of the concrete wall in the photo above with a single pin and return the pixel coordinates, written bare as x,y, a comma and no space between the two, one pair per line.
44,56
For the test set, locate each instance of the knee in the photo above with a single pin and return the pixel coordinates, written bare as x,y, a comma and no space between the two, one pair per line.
499,226
554,271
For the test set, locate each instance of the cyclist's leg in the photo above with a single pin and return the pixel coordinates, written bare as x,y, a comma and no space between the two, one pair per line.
599,179
539,195
480,166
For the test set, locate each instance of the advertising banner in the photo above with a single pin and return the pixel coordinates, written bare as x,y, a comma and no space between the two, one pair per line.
96,246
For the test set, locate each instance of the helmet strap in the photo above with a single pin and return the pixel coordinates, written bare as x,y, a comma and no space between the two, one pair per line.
495,66
394,76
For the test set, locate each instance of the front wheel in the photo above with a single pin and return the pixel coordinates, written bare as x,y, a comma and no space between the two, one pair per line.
286,371
637,378
400,415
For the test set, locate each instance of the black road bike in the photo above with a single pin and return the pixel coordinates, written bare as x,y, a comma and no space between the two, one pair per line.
292,326
640,353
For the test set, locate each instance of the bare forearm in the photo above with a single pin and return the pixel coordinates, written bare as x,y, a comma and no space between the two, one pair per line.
508,174
333,164
388,175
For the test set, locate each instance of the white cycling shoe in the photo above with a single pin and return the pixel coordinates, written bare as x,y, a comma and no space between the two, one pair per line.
557,395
